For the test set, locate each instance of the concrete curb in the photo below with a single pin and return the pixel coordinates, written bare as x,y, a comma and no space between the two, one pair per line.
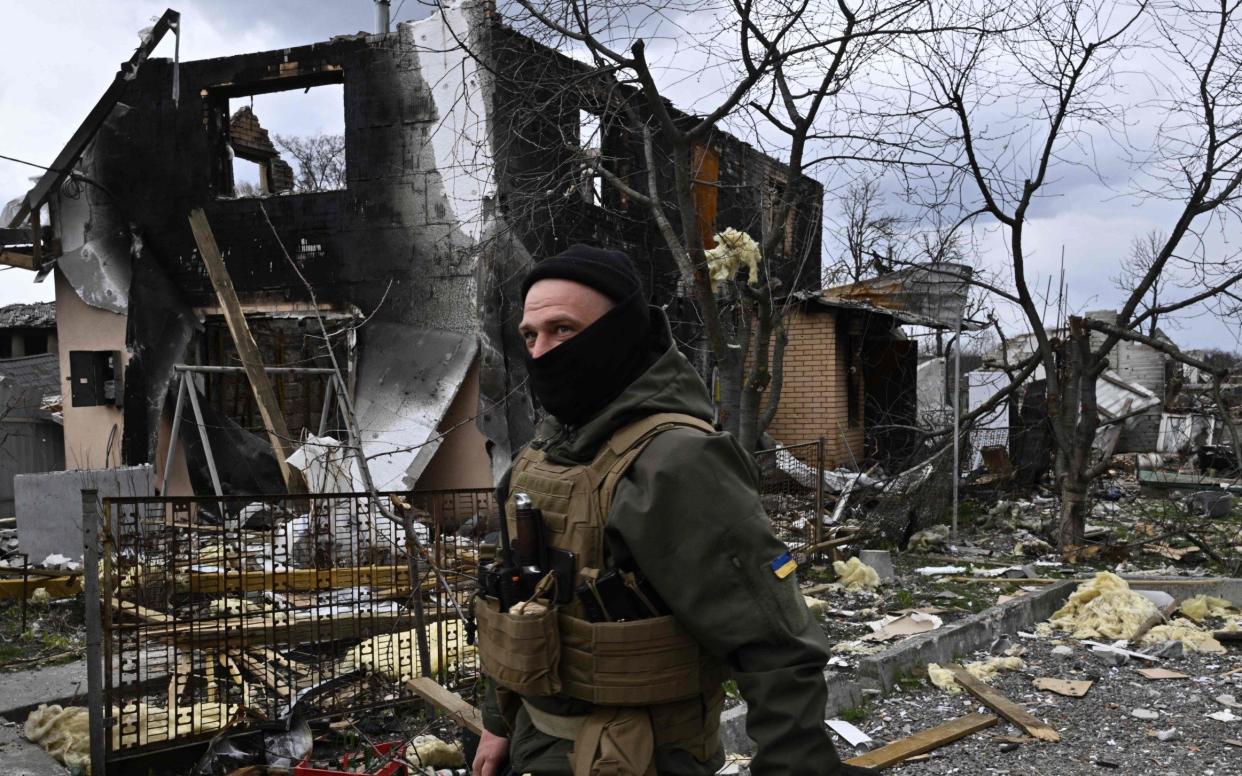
879,672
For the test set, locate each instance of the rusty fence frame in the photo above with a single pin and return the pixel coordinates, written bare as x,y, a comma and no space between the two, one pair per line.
216,610
794,502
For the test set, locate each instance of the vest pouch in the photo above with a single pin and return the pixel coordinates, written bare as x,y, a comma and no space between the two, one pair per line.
519,652
636,663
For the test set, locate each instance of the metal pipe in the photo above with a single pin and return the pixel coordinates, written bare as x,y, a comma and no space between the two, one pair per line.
202,435
94,631
172,435
293,370
957,413
381,17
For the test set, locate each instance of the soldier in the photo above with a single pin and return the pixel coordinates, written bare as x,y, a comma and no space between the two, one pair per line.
631,477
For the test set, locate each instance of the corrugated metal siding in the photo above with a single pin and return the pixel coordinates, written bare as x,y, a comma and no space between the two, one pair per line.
27,447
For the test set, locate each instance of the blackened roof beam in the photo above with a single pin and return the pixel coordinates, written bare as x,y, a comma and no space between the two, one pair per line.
69,155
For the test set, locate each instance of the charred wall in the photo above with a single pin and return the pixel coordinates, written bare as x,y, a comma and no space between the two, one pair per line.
538,96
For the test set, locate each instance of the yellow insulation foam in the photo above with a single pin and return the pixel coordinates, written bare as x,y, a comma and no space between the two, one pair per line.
983,670
856,575
1104,607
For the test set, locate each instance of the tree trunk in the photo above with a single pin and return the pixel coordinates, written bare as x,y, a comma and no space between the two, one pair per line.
1073,509
1081,416
729,377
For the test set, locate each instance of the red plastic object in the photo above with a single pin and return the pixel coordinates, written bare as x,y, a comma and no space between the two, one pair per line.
391,768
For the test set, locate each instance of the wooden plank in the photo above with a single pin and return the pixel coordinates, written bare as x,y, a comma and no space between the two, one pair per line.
57,587
260,671
1003,706
924,741
216,582
259,630
450,703
247,350
143,613
18,259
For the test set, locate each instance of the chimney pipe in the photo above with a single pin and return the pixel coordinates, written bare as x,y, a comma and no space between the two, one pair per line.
381,17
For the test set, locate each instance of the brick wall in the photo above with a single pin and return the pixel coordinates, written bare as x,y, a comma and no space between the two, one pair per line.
249,140
814,400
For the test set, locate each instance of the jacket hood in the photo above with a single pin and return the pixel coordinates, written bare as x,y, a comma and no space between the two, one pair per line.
670,384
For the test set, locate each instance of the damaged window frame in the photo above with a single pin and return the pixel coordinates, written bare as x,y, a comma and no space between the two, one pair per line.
217,121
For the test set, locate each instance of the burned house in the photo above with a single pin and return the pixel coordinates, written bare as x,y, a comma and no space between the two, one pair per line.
462,163
850,368
27,329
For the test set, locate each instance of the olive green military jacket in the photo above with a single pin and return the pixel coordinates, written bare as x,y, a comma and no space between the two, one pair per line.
688,513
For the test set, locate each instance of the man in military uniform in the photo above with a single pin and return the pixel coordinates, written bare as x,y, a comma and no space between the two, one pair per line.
630,475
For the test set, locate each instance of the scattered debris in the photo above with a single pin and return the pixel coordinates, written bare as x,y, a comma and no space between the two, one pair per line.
1072,688
852,735
855,575
930,539
1160,673
891,627
946,678
934,571
1103,607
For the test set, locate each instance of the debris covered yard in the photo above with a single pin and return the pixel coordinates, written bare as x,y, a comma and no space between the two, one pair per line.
248,454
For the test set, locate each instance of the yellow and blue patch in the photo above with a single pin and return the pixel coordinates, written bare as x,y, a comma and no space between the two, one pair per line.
783,566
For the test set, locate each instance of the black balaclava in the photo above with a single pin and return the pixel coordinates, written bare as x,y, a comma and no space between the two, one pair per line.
581,376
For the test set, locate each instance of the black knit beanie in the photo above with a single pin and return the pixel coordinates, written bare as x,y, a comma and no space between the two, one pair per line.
611,273
575,380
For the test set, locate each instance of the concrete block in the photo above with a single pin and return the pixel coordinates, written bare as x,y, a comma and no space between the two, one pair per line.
49,505
881,561
25,758
962,637
22,691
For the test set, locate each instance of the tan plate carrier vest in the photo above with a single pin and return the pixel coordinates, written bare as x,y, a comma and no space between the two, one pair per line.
653,663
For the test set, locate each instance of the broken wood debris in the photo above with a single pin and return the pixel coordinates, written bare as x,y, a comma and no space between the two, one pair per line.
1003,706
1160,673
924,741
450,703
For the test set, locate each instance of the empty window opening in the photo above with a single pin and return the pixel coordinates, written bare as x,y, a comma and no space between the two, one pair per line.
590,142
281,142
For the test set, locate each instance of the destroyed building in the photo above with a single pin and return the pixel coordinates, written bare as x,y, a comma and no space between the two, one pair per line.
462,149
850,368
1132,393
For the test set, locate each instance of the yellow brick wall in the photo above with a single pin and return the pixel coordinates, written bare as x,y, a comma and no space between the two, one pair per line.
814,400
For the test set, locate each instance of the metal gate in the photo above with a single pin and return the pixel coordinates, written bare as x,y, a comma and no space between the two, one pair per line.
224,611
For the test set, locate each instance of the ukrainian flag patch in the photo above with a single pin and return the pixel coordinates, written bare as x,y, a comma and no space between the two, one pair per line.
783,566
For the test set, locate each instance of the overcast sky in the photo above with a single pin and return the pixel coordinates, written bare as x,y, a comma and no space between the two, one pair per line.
67,52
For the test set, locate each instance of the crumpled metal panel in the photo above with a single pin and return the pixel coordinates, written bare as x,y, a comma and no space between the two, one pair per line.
1117,398
407,378
924,295
97,259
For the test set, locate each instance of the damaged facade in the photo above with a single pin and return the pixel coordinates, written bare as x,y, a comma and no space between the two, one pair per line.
455,178
850,369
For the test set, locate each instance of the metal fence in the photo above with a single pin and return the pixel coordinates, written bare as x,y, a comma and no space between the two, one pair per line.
219,611
791,488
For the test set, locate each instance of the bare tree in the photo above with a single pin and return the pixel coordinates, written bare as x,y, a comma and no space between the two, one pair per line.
320,160
873,238
1063,62
784,65
1143,252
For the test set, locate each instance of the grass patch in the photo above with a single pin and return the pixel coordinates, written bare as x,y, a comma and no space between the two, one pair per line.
854,714
54,634
908,682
